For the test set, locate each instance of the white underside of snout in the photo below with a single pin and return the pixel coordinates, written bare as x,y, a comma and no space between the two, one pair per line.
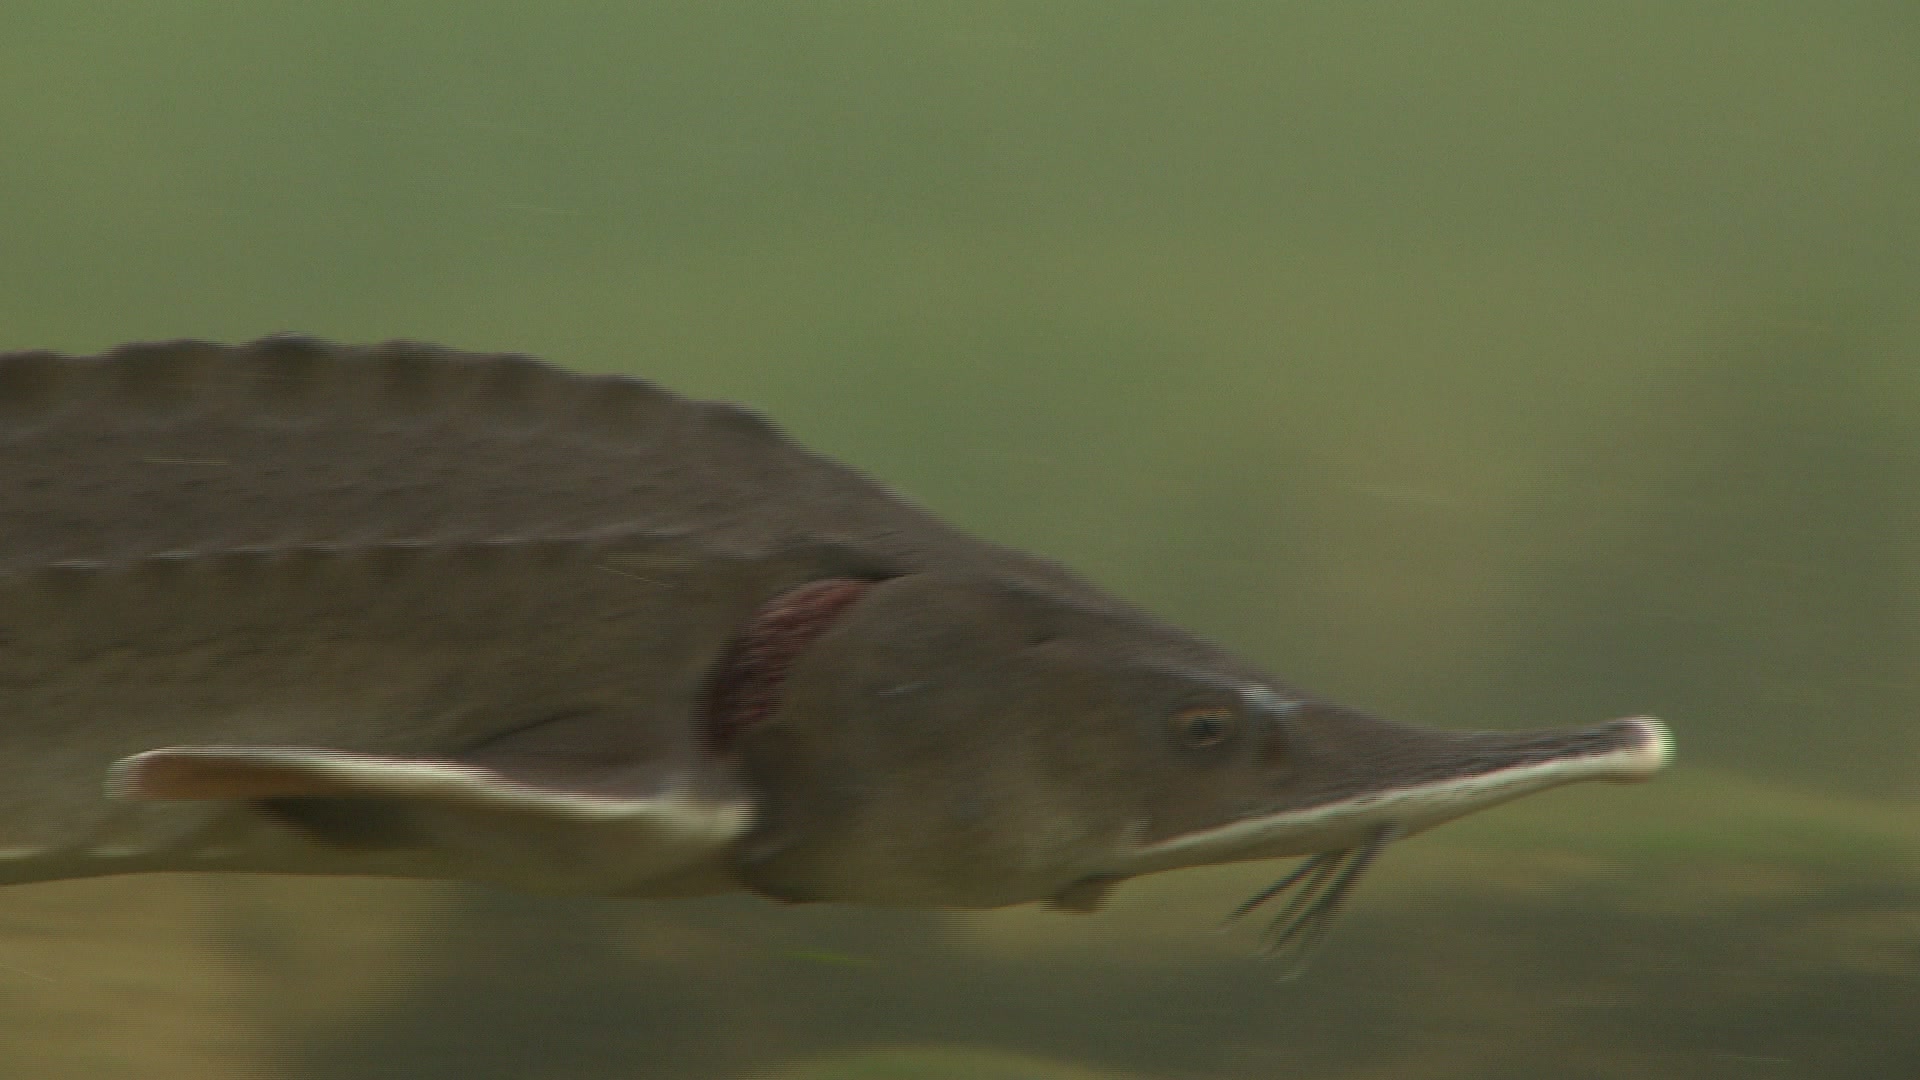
1408,809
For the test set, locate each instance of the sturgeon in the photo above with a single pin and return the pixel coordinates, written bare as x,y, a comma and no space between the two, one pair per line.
293,607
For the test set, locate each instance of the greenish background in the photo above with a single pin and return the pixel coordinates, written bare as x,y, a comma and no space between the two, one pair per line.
1479,363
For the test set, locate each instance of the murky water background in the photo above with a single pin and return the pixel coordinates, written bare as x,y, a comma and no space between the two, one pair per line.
1499,364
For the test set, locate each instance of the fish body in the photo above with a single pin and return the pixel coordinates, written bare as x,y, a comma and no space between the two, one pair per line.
295,607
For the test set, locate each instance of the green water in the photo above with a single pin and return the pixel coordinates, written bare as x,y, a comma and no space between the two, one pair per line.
1483,364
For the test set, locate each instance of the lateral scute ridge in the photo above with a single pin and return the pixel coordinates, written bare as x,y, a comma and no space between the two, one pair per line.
394,554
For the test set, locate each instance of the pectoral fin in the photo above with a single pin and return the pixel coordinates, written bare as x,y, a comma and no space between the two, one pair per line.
302,810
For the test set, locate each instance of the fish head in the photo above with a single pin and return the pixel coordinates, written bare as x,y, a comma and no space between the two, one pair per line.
955,741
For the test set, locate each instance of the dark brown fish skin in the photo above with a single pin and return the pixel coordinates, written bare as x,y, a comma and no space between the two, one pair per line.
397,549
408,551
186,447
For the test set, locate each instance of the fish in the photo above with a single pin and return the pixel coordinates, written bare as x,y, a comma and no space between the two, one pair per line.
401,610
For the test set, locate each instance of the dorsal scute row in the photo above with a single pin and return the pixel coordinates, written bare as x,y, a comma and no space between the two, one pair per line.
288,444
288,379
287,440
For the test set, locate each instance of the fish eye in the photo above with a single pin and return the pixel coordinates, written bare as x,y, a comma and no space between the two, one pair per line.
1201,726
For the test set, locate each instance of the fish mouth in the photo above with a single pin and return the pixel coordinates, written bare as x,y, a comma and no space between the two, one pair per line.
1344,832
749,682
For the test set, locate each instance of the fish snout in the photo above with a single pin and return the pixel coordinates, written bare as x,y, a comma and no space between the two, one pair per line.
1646,748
